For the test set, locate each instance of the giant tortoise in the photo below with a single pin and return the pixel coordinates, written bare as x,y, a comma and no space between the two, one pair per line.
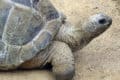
33,33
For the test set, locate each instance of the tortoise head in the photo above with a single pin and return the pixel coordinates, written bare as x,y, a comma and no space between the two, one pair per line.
80,35
97,24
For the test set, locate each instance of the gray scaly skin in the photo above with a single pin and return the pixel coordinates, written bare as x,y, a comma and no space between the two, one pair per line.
68,40
59,53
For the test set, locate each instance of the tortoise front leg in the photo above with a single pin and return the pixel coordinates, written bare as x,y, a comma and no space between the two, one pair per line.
61,58
62,61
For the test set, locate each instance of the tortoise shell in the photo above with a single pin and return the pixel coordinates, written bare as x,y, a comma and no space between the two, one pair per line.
26,28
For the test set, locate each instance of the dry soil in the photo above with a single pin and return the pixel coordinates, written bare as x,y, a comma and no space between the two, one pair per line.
100,60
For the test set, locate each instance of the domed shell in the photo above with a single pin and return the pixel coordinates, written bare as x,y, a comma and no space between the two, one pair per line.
22,22
26,28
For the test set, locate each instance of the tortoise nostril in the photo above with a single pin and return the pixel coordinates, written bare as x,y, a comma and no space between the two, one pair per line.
102,21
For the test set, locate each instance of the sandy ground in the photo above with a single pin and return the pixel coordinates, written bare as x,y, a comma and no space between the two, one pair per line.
100,60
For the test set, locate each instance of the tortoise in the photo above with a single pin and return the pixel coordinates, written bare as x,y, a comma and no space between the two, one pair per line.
34,33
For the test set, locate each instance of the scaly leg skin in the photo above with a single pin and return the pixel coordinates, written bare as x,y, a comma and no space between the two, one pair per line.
60,57
62,61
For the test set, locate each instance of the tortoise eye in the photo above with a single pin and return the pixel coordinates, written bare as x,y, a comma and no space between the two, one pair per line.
102,21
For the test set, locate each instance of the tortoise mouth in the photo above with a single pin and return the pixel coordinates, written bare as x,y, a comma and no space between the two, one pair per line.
110,22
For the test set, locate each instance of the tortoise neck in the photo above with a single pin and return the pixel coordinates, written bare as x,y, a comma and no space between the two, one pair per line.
75,36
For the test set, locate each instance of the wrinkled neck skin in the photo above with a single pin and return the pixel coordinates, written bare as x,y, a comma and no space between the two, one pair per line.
75,36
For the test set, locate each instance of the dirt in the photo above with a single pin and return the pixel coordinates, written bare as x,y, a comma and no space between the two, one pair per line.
100,60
